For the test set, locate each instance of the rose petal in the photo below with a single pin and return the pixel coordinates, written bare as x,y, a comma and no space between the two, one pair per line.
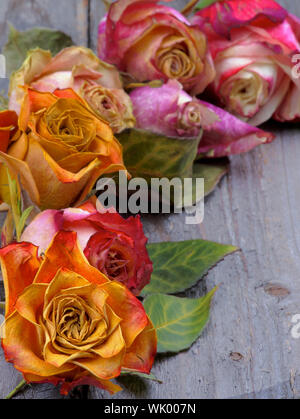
33,102
65,252
72,57
20,168
33,64
19,264
140,356
21,344
93,381
112,346
230,135
8,124
63,280
128,308
42,229
225,15
58,188
30,303
103,368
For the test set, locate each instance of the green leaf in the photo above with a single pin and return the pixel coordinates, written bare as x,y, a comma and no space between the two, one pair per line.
212,173
179,265
205,3
24,217
150,155
178,321
150,376
16,205
19,43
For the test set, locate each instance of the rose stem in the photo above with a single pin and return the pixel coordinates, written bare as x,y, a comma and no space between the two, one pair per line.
189,7
19,387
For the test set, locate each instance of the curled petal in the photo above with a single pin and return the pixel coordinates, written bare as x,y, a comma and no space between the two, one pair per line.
72,57
46,73
230,135
21,344
19,264
107,385
65,252
36,60
20,168
59,187
225,15
8,124
128,308
30,303
102,368
67,384
289,109
140,356
45,226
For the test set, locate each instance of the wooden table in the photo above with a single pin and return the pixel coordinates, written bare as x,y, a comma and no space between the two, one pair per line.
247,351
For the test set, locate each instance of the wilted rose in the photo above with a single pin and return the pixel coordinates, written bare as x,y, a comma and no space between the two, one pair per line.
170,111
152,41
66,323
114,245
61,150
99,83
252,45
114,105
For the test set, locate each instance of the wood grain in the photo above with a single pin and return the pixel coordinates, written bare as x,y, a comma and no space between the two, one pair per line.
256,207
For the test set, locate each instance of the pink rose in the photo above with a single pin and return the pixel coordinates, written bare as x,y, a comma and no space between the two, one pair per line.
97,82
252,44
170,111
114,245
151,41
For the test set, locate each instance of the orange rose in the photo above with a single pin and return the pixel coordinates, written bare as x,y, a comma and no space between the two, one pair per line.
66,323
62,149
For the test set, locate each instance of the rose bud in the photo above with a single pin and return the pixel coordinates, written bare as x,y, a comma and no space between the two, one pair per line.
252,47
68,324
61,150
99,83
151,41
114,245
170,111
113,105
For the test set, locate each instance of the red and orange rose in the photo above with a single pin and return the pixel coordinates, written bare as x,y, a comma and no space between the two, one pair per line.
66,323
114,245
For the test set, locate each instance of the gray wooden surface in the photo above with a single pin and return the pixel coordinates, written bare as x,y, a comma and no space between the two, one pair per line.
247,350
